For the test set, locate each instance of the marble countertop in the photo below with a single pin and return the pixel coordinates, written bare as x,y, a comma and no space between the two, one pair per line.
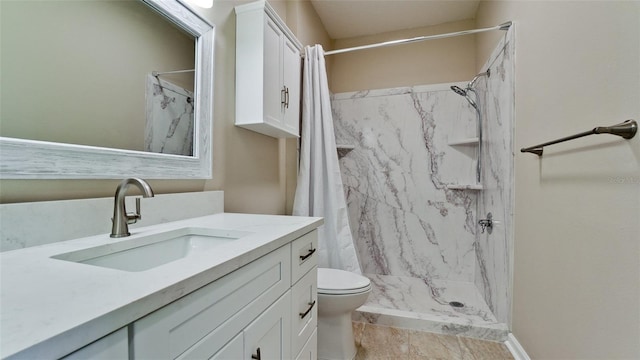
50,307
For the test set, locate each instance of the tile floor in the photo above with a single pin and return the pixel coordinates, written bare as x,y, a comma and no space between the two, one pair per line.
377,342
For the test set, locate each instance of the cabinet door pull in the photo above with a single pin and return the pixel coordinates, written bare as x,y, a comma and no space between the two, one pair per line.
311,305
257,356
305,257
286,96
283,96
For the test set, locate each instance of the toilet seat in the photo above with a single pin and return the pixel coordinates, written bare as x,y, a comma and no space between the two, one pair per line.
340,282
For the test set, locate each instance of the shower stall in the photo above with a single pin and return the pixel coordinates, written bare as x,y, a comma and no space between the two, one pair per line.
421,166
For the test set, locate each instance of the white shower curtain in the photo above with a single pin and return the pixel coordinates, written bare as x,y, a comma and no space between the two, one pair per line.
320,191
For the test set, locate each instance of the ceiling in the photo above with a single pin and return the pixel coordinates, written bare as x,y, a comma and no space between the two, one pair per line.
350,18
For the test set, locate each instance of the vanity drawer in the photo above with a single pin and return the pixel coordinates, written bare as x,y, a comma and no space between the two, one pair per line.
304,255
310,349
304,317
201,323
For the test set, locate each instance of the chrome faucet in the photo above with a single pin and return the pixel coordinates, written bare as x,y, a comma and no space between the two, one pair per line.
121,219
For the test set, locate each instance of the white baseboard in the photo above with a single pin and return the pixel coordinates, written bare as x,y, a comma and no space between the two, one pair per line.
516,349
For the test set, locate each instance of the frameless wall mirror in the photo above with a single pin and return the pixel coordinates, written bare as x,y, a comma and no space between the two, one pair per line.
105,89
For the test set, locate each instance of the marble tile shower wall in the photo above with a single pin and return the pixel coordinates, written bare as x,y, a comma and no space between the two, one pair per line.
494,251
405,220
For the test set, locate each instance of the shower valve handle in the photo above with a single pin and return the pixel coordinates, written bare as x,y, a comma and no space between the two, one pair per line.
486,224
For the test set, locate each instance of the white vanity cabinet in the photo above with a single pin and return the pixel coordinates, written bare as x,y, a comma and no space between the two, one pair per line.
268,70
112,346
267,337
258,311
304,296
227,301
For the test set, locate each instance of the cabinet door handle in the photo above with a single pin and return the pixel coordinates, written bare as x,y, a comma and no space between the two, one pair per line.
305,257
283,96
286,96
257,356
311,305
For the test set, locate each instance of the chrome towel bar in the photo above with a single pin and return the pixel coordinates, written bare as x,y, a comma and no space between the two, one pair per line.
625,129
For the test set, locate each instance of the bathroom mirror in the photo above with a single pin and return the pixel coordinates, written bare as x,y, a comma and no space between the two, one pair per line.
33,157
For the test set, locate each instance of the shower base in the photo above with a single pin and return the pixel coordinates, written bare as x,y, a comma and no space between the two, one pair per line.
409,303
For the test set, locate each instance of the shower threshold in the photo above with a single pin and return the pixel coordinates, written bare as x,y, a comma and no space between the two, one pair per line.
447,307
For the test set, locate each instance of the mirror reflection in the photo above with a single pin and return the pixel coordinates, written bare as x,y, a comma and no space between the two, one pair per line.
103,73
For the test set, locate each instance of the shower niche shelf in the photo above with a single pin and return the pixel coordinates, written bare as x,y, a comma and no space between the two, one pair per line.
473,187
465,142
467,147
343,150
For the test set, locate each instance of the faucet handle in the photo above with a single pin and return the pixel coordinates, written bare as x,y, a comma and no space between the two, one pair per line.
132,218
138,212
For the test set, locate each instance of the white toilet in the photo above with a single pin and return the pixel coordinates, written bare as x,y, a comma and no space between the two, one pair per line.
339,294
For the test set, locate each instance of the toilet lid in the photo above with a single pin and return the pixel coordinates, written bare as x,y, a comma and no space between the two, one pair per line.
334,281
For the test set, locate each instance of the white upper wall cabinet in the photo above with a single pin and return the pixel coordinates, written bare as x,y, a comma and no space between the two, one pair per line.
267,72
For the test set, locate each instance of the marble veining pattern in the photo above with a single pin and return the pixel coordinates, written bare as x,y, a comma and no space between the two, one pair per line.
405,221
416,238
170,118
493,251
413,303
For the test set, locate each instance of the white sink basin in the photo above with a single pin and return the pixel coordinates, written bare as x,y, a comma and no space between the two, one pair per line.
151,251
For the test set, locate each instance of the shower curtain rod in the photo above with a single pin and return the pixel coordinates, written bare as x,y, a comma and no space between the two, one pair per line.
503,26
156,73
